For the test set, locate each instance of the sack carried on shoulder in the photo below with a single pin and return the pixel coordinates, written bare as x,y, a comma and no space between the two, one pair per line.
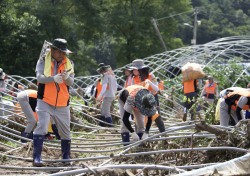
192,71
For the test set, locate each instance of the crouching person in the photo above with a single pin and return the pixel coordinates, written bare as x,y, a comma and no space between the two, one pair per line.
231,106
136,100
55,74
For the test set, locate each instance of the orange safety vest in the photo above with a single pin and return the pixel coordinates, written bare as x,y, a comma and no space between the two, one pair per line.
238,94
161,85
98,88
189,86
136,80
52,93
210,90
133,89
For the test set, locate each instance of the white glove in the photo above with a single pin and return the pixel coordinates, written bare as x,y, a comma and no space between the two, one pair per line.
144,136
58,78
65,75
135,136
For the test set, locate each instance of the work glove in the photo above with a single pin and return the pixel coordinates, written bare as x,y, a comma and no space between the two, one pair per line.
135,136
144,136
58,78
65,75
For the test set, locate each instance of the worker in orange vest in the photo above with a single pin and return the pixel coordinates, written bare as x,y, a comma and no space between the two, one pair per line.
210,91
107,94
190,90
55,74
138,100
28,101
142,76
232,104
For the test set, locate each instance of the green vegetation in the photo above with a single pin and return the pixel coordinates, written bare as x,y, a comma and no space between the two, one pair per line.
114,32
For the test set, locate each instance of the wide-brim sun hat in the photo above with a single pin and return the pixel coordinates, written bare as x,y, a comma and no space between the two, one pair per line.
61,44
145,102
138,64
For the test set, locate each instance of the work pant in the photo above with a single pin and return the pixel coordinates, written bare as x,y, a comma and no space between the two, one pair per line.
23,100
138,117
106,106
190,101
61,116
224,115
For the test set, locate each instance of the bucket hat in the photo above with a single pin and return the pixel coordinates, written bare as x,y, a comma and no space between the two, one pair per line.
61,44
138,64
102,68
145,102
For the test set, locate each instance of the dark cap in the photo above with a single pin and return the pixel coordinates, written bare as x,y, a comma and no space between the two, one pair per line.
102,68
61,44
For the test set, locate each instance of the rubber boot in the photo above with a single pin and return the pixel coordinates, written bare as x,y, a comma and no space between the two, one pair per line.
65,146
110,121
184,118
140,134
102,118
159,123
125,137
55,131
38,147
26,135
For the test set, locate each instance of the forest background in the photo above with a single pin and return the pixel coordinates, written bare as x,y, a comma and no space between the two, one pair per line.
111,31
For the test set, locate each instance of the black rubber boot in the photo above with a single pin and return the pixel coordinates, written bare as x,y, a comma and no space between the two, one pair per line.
140,134
125,137
110,121
38,147
65,146
102,118
26,135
